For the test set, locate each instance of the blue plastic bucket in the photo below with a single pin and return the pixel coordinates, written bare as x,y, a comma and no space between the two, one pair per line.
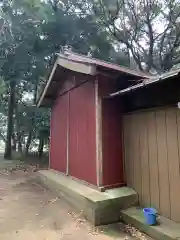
150,216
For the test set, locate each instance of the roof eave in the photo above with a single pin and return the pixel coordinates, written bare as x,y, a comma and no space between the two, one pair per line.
87,66
109,66
47,84
89,69
145,83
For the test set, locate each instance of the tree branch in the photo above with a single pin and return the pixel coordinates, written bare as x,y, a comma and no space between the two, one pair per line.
172,22
148,10
2,137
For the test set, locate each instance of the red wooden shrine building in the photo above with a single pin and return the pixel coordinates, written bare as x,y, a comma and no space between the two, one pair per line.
86,125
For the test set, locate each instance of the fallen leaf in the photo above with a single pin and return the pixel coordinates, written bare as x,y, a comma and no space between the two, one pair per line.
126,238
53,200
134,232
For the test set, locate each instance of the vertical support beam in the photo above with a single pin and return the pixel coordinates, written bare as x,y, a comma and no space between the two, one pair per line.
67,137
98,134
50,137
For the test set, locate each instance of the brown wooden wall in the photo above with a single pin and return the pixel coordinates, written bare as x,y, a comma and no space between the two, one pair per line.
152,158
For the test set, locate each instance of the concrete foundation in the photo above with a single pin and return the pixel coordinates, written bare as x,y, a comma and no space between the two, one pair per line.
98,207
164,230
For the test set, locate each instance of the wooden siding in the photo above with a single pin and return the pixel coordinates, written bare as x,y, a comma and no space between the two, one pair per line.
58,146
82,133
111,134
152,158
72,80
112,165
73,131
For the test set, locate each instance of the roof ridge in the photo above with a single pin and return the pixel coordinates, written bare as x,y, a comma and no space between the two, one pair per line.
96,59
76,56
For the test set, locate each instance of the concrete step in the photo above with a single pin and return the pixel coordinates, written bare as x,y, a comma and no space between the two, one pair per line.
164,230
98,207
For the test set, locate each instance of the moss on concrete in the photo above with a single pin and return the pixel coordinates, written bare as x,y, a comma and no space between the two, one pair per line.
98,207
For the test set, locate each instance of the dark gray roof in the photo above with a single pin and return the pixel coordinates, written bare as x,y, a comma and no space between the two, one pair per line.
146,82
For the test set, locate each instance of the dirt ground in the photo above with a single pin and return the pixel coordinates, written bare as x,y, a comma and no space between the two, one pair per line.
28,211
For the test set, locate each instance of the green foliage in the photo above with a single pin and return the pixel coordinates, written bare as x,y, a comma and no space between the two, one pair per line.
31,32
3,87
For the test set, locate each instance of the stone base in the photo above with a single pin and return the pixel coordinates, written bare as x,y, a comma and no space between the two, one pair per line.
165,229
98,207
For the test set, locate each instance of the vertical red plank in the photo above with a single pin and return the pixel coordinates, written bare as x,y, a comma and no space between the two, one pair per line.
111,120
58,149
112,143
82,133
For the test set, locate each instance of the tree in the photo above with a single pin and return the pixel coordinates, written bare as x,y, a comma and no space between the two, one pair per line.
31,32
149,29
15,56
67,24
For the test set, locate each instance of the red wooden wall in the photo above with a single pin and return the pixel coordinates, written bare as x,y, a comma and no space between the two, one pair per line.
73,132
58,147
82,147
112,143
112,158
73,122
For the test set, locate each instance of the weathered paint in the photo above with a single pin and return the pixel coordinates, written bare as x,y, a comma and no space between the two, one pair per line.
73,129
82,133
58,146
98,136
112,143
67,127
47,85
72,80
111,124
152,160
86,132
78,58
75,66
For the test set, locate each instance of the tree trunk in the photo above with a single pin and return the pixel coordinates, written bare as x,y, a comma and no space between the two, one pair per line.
13,142
28,143
18,130
30,134
7,154
40,147
19,140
